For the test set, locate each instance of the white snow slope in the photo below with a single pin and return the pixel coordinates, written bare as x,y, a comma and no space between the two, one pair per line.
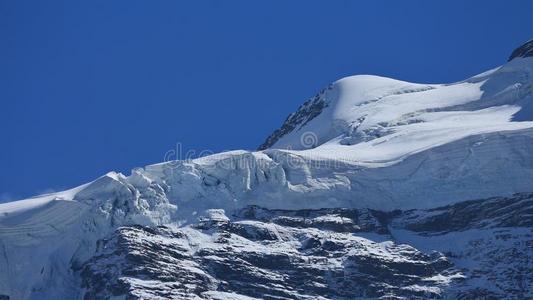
380,143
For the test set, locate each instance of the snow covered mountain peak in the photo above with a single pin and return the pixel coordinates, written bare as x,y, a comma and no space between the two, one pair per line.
374,188
369,119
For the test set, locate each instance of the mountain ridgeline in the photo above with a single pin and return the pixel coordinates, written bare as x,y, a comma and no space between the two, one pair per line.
375,188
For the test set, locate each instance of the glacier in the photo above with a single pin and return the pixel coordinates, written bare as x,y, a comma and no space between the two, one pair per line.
398,152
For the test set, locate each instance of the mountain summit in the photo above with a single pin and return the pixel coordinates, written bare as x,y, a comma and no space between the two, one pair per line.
364,111
374,188
526,50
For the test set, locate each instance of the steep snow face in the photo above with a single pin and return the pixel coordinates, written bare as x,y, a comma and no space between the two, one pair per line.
370,120
42,239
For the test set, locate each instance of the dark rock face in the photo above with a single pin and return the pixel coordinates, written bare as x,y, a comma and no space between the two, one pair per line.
305,113
526,50
470,250
144,263
497,212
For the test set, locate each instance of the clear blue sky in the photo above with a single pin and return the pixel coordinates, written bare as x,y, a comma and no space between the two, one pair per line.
87,87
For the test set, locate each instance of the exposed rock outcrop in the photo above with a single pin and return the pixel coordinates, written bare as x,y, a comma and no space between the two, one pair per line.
523,51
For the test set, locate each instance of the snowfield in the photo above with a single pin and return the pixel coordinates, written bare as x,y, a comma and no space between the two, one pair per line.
372,120
363,143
